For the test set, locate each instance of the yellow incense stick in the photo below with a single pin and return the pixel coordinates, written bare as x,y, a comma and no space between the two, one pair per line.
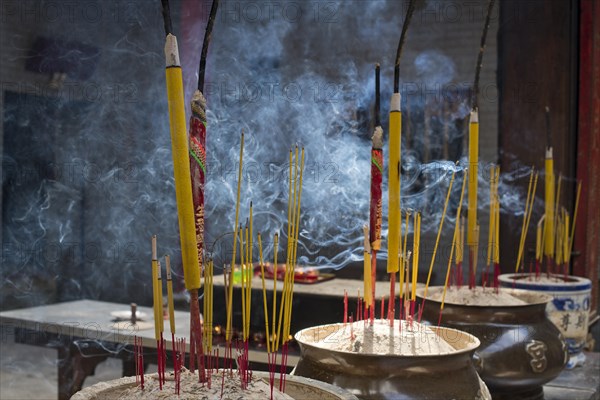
549,204
264,289
497,229
558,239
228,331
209,310
523,227
528,212
566,255
155,304
159,292
558,256
394,220
285,279
367,266
249,270
439,233
181,165
275,269
460,241
295,248
491,230
538,240
473,176
404,255
475,250
454,238
574,219
416,246
243,281
170,294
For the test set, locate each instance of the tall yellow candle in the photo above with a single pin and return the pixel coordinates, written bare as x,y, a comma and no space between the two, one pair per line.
395,129
181,165
473,176
549,204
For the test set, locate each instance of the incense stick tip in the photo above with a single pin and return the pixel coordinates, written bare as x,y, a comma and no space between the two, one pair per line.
377,138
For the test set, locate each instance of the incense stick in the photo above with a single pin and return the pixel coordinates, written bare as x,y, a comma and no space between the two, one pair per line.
439,233
228,331
479,63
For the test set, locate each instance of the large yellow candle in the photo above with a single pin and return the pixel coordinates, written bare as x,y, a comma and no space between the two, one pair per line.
181,165
394,184
549,203
473,176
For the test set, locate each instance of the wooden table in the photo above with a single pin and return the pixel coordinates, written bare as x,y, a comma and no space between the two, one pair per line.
84,334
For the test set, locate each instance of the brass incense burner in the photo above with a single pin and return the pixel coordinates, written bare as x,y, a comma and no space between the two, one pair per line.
388,376
520,347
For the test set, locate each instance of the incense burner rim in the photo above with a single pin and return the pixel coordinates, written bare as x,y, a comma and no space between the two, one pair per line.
472,344
574,282
542,299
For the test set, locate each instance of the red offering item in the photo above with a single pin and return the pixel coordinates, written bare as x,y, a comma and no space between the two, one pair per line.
305,275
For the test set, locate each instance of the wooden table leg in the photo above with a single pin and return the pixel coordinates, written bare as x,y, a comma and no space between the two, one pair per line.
73,368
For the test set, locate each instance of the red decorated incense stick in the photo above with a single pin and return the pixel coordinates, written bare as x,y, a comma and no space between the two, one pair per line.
375,209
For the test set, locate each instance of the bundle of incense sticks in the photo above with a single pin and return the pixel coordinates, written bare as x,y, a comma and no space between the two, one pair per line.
437,242
526,217
493,250
454,242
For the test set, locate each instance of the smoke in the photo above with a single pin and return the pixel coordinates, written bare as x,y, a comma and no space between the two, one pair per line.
287,73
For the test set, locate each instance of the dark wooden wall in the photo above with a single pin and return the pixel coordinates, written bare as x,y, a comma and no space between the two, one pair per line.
537,64
549,55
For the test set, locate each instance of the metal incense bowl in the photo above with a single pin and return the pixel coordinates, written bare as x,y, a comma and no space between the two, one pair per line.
389,376
520,350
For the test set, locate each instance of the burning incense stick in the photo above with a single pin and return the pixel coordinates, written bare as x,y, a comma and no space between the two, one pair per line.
491,228
197,157
228,331
264,290
375,210
416,251
526,216
170,295
275,249
437,240
179,146
474,145
155,307
473,184
454,241
549,205
572,236
395,132
403,258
